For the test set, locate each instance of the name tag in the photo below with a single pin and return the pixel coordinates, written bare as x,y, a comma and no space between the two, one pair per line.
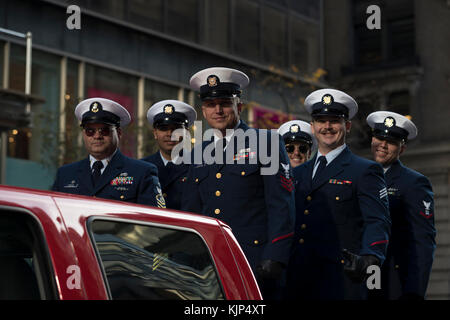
72,185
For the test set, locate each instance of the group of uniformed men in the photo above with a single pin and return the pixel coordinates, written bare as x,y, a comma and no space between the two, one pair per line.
309,231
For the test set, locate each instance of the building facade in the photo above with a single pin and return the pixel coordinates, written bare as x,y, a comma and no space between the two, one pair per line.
137,52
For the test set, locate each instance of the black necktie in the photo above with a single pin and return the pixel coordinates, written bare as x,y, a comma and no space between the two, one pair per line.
169,165
322,165
96,172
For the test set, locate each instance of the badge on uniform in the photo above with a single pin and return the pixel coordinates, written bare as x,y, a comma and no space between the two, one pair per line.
72,185
286,180
213,80
161,203
244,154
389,122
122,179
96,107
383,193
336,181
169,109
427,206
392,191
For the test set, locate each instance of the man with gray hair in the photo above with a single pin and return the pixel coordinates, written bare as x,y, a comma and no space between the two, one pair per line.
258,207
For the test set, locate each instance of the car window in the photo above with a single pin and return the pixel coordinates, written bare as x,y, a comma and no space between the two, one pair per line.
25,272
149,262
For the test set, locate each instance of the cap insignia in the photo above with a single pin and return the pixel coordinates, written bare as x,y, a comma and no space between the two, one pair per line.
327,99
95,107
213,81
389,122
169,109
294,128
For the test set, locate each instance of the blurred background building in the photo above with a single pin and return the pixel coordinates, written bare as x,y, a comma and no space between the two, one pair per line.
138,52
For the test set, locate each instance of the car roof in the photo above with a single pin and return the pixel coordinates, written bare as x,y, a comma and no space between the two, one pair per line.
92,206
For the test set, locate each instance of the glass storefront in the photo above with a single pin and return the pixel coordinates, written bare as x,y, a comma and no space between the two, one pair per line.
32,154
119,87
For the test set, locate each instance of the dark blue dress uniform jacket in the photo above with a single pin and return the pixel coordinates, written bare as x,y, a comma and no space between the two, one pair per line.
124,179
258,208
411,249
347,207
171,178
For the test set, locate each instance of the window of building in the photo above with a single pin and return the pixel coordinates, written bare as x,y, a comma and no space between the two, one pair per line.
118,87
25,270
183,19
401,36
73,149
148,262
246,26
37,143
299,46
394,42
2,46
146,13
361,135
274,36
399,102
217,30
281,3
309,8
116,8
368,44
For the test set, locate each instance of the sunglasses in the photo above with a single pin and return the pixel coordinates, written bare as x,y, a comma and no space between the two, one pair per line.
302,148
104,131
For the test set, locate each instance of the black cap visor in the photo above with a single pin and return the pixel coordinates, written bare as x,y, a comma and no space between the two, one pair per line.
176,118
393,133
335,110
297,137
101,116
221,90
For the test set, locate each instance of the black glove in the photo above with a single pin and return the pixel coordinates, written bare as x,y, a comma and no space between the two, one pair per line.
269,269
355,266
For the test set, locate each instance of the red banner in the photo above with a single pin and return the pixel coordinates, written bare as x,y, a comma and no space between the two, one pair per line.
264,118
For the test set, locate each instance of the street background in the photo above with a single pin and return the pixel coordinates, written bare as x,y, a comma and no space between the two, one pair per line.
138,52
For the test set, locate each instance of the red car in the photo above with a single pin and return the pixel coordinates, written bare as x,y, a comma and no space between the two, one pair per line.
60,246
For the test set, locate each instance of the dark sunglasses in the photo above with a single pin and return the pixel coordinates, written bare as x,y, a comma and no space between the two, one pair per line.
302,148
104,131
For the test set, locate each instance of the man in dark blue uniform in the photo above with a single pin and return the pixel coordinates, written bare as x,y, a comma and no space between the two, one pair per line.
252,193
407,268
106,172
342,217
166,117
